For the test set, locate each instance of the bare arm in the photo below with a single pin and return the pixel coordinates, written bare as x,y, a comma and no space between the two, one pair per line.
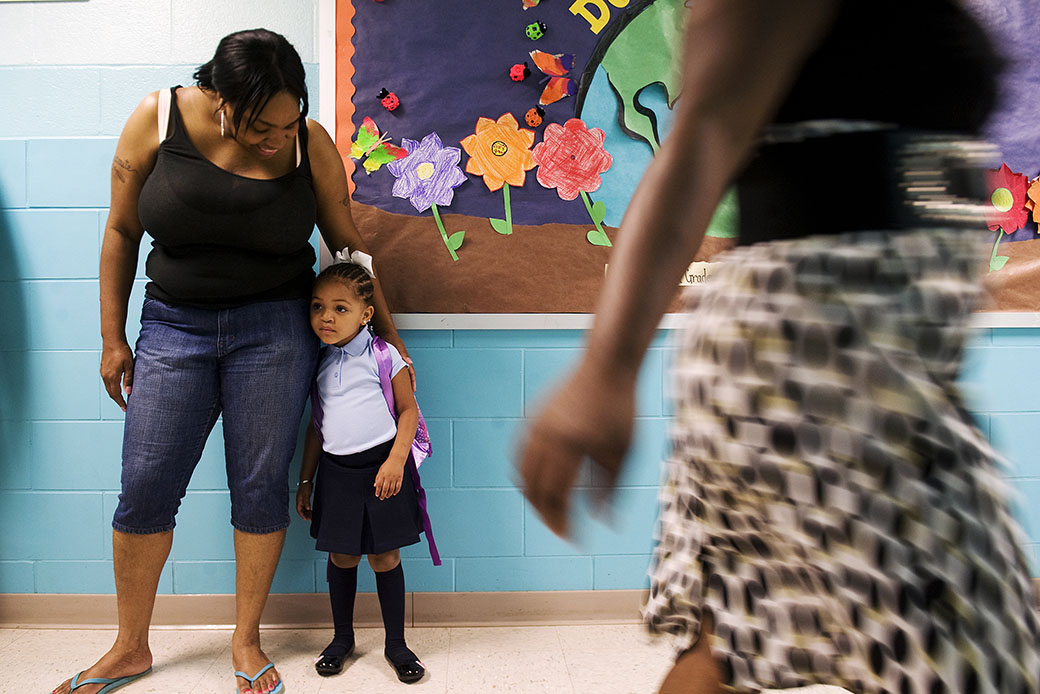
740,59
391,473
308,468
337,225
135,156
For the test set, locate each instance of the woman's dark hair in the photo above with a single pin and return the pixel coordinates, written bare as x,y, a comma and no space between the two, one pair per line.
249,68
351,275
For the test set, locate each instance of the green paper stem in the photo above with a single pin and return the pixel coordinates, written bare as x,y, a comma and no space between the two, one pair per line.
996,262
444,234
504,226
596,219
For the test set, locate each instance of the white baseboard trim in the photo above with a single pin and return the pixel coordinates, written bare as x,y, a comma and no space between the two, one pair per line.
311,610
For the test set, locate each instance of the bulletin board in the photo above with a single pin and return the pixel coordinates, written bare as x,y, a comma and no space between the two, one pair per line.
524,177
533,121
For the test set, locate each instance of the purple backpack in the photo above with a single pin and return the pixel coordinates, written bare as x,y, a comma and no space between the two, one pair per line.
421,447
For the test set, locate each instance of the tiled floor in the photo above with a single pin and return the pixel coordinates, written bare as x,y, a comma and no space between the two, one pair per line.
614,659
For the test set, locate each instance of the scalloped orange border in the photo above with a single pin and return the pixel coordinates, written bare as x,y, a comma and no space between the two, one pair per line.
345,84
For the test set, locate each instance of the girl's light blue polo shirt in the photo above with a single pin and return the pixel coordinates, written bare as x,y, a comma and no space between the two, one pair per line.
355,416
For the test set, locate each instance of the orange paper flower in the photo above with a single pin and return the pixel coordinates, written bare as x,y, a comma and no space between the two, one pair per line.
1033,199
1007,210
500,151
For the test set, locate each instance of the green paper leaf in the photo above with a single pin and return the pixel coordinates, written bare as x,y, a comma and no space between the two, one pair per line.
599,211
997,262
598,238
725,221
501,226
455,240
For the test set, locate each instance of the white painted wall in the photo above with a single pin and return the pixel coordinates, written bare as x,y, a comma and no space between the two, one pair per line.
144,32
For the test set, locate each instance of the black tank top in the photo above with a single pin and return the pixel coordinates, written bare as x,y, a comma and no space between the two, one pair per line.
911,68
220,239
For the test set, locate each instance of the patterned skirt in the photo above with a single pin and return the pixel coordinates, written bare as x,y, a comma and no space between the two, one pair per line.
828,500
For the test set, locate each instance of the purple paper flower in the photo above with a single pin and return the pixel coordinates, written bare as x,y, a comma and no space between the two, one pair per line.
428,175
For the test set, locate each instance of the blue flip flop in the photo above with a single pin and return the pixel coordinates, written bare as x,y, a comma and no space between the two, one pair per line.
110,684
277,690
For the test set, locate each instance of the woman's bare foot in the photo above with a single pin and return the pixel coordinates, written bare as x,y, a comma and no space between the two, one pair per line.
115,663
247,657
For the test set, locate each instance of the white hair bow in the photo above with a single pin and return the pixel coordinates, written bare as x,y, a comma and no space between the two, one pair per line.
355,258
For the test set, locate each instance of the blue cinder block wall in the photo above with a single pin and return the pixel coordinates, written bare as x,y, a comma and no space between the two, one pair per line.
70,74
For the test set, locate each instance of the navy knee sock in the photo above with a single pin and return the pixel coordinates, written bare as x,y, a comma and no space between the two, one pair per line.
390,588
342,590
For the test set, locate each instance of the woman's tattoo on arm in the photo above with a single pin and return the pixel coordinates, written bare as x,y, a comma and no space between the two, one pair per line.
119,166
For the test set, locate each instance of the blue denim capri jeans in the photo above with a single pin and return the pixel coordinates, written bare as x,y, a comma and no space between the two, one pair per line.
254,364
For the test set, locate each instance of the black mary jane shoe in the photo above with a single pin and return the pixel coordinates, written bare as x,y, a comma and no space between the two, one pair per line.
408,671
329,665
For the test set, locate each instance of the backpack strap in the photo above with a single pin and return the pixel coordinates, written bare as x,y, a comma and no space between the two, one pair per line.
421,446
385,364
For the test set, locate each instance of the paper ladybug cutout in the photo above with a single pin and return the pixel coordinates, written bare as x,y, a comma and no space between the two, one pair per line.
534,116
388,99
535,30
519,72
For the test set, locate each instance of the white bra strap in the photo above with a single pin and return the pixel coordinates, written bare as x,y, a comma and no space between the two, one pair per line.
164,113
299,155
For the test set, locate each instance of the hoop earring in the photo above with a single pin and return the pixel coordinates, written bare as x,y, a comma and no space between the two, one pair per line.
222,122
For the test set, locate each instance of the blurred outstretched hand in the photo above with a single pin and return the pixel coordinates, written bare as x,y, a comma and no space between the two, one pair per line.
588,417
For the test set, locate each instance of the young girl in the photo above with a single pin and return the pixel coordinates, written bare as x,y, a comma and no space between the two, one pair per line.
367,498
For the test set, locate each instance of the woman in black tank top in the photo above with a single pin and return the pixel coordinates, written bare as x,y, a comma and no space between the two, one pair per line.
229,178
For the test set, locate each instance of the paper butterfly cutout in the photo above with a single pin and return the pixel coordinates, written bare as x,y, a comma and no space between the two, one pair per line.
376,146
555,67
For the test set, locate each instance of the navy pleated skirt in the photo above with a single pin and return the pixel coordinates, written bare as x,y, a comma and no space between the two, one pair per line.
348,517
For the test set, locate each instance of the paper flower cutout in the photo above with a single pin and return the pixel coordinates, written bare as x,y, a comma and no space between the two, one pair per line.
429,173
1033,198
1008,200
428,176
570,159
500,152
1007,212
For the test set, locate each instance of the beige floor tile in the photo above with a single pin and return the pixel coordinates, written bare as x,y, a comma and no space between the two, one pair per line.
7,636
612,637
510,671
504,639
181,659
41,659
617,673
521,660
620,659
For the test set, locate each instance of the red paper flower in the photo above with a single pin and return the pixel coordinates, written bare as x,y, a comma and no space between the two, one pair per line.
1007,200
571,157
